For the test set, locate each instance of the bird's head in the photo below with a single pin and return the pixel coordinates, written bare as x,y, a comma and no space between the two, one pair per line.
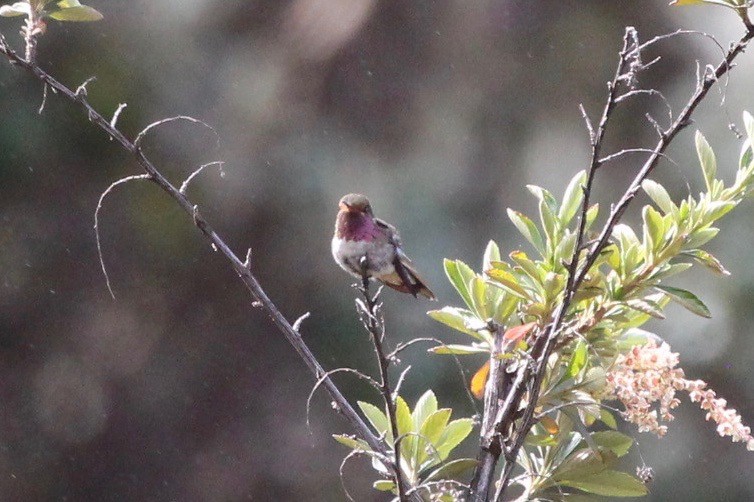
355,203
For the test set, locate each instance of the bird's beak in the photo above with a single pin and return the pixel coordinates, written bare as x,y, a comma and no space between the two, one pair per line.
344,207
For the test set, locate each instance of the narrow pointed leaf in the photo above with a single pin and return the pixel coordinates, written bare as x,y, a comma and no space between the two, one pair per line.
504,279
701,236
454,469
687,300
80,13
478,289
459,319
376,417
434,426
578,359
706,159
614,441
351,442
572,198
608,419
454,433
459,275
707,260
659,196
491,253
528,229
610,483
384,485
646,306
459,350
425,406
403,416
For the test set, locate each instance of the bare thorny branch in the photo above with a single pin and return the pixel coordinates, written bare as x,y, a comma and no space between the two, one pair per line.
243,269
511,423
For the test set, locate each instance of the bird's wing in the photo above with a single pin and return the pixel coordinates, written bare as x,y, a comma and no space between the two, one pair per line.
407,279
392,235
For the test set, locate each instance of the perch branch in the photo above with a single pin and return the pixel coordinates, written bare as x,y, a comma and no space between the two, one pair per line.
370,310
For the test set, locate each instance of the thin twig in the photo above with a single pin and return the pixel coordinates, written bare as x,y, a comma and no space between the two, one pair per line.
371,381
116,115
617,155
187,181
374,324
301,319
140,137
44,100
96,223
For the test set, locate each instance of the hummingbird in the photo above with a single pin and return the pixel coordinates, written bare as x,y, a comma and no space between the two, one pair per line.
365,246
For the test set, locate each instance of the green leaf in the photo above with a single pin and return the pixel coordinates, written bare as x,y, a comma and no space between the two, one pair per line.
687,300
608,419
654,229
717,209
425,406
659,196
706,159
647,306
478,288
430,431
530,267
550,224
578,359
707,260
701,236
461,320
614,441
635,336
564,250
459,275
452,470
749,125
668,270
582,463
455,432
501,278
544,196
609,483
405,424
460,350
528,230
591,215
384,485
17,9
351,442
377,418
435,424
491,253
80,13
572,198
403,416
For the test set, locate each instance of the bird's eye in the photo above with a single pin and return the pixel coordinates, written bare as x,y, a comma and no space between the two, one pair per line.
367,208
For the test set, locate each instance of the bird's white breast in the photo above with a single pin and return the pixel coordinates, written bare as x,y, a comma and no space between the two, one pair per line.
348,253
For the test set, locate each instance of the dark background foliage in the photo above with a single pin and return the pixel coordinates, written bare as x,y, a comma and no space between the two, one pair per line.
441,111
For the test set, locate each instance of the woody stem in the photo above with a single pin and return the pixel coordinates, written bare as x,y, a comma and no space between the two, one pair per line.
374,325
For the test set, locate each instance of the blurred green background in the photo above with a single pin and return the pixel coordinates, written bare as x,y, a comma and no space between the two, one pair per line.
441,111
